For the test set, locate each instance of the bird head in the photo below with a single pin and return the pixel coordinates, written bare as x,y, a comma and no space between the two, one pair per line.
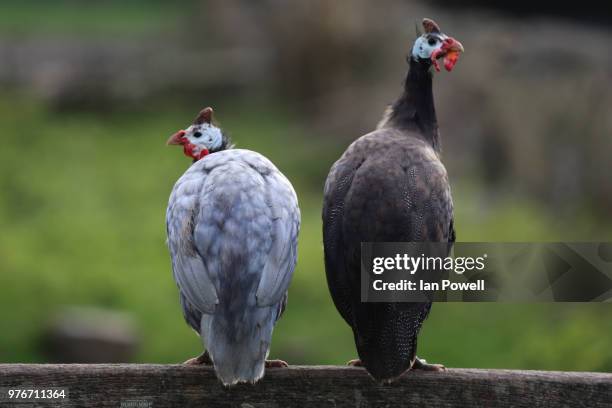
201,138
433,45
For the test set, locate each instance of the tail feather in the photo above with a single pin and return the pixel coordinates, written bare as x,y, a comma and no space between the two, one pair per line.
386,337
239,349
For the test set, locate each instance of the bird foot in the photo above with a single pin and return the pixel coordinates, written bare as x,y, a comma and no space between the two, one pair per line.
355,363
422,364
202,359
276,364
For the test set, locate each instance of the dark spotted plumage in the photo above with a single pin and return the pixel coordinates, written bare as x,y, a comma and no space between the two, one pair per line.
388,186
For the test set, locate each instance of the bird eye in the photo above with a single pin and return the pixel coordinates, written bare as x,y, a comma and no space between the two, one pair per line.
197,134
432,41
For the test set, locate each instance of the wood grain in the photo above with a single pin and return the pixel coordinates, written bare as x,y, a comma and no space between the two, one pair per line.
131,385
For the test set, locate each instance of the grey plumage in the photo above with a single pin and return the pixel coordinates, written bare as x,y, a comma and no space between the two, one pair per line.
232,224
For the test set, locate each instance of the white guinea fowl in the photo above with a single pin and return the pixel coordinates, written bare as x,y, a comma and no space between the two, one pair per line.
232,224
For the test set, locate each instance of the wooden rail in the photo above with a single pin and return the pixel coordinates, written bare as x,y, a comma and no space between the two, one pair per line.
153,386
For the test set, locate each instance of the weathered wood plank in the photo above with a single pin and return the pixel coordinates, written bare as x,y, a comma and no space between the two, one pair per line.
131,385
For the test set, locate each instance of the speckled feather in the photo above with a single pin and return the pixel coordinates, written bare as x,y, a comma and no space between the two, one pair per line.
232,223
389,186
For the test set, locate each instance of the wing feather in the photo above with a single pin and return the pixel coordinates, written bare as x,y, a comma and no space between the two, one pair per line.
235,206
279,266
189,270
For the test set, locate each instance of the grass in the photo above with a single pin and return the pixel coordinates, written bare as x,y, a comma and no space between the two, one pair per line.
89,18
82,219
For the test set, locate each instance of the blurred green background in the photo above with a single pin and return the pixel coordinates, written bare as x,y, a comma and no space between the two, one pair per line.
90,91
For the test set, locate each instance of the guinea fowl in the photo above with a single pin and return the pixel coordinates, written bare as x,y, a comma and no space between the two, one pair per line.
232,224
390,186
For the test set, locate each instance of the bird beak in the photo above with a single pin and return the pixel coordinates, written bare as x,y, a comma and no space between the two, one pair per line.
450,51
177,138
452,45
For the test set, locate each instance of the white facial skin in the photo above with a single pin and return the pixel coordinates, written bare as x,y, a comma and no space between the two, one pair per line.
426,44
205,136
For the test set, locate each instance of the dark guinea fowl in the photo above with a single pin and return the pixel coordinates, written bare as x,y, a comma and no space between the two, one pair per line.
390,186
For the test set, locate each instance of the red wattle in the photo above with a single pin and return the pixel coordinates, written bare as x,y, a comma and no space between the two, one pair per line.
187,149
434,59
203,153
450,60
190,151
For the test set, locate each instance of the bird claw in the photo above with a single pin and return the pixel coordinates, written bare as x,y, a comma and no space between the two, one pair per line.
422,364
202,359
355,363
276,364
